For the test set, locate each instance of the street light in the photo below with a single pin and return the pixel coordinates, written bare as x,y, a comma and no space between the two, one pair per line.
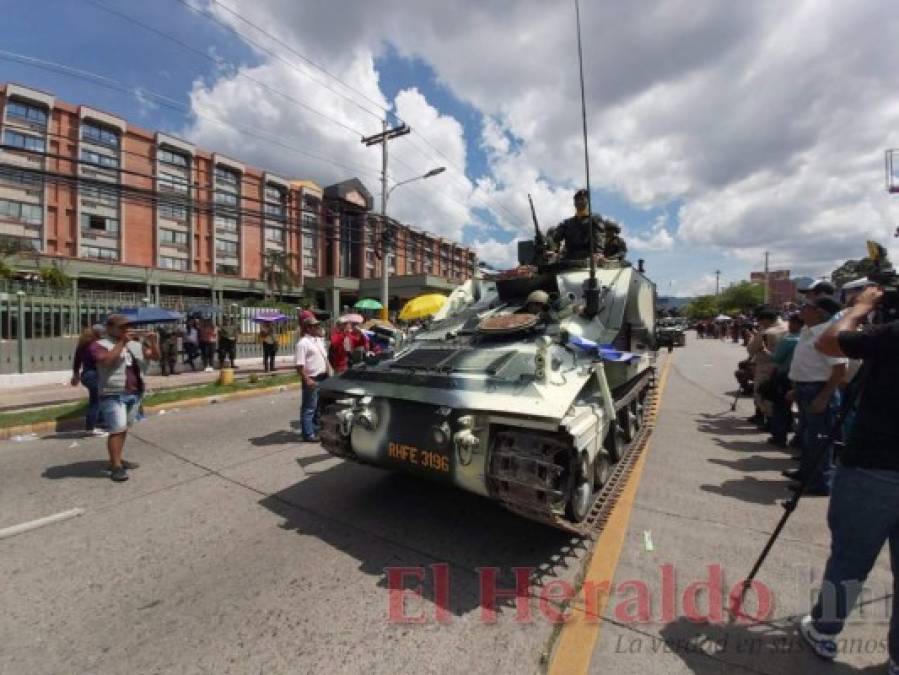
385,262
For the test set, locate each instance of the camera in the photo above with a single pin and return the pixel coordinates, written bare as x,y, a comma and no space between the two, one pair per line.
884,275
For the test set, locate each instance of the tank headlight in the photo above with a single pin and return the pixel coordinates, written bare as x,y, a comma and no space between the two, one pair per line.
367,419
441,434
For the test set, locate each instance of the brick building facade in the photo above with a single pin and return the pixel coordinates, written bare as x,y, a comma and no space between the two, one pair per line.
117,206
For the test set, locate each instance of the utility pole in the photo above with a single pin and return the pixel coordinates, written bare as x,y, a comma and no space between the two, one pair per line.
766,278
717,281
381,139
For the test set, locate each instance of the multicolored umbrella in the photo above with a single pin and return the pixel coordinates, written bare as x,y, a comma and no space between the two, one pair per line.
422,306
351,318
368,303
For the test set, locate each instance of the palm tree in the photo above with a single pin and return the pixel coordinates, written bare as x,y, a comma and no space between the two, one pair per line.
278,272
10,248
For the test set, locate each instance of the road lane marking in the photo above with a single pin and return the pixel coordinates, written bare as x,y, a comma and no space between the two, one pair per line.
578,637
40,522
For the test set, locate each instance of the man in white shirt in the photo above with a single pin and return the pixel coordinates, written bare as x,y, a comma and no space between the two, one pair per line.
312,367
816,380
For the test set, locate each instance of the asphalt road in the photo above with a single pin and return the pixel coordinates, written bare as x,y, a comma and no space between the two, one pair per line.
234,548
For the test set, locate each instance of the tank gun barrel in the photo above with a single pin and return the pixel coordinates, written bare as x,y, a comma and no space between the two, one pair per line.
539,241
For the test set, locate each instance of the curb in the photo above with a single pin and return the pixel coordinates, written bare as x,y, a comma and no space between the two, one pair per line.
74,424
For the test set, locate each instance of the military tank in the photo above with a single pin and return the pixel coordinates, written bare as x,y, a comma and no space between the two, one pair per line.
671,332
530,405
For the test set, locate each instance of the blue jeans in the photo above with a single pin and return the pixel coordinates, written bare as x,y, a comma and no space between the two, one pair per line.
120,411
780,410
308,408
816,462
863,514
91,382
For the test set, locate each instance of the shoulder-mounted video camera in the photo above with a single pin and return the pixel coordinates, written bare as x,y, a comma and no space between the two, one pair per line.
884,275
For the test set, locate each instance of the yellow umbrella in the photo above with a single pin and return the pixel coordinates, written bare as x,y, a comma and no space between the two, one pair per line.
422,306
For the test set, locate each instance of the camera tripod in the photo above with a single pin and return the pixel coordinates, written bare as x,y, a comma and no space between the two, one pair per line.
789,506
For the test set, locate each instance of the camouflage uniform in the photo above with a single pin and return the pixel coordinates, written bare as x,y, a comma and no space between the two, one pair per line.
168,349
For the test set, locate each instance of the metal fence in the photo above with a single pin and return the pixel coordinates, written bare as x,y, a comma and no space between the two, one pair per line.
38,333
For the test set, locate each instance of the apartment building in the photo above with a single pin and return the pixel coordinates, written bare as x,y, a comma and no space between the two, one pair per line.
124,208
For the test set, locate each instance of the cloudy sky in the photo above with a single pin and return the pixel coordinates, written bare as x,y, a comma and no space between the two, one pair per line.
718,130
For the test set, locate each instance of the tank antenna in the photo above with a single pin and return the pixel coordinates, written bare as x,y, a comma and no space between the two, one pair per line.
591,294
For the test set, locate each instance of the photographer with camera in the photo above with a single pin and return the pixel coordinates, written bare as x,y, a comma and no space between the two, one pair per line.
864,504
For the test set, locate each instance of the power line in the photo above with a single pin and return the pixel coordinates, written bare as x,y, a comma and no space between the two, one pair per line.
222,62
163,100
308,60
255,43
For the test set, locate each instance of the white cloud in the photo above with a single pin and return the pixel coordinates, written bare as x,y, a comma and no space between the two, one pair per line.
657,239
768,134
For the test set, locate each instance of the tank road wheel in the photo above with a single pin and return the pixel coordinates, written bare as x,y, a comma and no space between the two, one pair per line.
628,424
602,470
636,407
580,495
614,442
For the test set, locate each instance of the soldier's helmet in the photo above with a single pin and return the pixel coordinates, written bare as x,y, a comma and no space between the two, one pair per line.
612,226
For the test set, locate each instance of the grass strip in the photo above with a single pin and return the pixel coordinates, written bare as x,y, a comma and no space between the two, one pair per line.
71,411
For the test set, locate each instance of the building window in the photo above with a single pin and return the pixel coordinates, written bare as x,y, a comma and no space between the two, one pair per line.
99,224
94,133
172,211
225,198
17,140
32,214
225,223
221,268
223,175
172,238
274,234
274,194
104,196
274,211
99,253
24,111
172,182
167,156
95,158
226,249
410,266
20,178
168,263
310,256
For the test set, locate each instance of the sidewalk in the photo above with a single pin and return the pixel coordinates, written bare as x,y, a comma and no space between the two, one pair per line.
35,390
702,510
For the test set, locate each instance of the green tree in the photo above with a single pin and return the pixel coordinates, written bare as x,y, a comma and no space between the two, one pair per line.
10,249
741,298
54,277
851,270
703,307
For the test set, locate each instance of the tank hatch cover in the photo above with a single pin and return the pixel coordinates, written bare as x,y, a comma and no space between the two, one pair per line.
507,323
479,361
424,358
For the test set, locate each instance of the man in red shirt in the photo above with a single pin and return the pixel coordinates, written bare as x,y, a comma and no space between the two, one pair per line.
338,353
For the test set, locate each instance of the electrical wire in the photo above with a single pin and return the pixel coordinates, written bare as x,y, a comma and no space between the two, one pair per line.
219,61
462,175
353,235
168,102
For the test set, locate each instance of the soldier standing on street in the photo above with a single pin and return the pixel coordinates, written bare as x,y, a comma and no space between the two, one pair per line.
227,346
168,347
575,232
